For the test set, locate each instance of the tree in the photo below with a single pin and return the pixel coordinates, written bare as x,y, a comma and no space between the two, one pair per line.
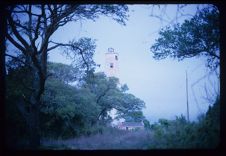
2,56
105,90
16,123
147,124
72,110
208,129
161,12
63,72
66,110
30,28
109,94
129,107
134,116
195,37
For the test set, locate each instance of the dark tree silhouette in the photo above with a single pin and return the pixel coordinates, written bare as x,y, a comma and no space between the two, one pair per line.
195,37
30,28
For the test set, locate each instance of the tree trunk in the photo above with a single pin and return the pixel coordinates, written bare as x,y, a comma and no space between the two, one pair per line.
3,26
34,127
35,102
31,117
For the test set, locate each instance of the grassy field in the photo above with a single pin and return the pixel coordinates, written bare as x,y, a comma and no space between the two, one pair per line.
110,139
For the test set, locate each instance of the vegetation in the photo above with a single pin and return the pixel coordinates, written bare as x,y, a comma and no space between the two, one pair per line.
111,138
195,37
70,119
70,110
179,133
165,134
58,106
30,28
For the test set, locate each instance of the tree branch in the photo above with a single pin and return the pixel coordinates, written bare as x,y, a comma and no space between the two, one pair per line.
24,11
21,26
214,55
44,20
87,65
57,45
99,115
30,24
54,25
49,31
17,45
16,33
102,95
70,45
36,30
53,47
16,58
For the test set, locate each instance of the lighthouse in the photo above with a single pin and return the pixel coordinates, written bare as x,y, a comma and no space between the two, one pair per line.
111,63
112,70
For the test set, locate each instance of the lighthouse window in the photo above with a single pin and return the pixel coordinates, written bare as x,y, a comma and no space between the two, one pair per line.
116,57
111,65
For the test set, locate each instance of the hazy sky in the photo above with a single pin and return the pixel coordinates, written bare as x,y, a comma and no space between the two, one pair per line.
160,84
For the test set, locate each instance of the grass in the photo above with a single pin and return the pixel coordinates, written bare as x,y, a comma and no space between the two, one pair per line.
109,139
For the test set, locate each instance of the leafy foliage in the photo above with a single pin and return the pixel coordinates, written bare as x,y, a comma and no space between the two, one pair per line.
66,110
15,122
29,30
165,134
82,109
195,37
110,95
179,133
147,124
62,72
134,116
81,53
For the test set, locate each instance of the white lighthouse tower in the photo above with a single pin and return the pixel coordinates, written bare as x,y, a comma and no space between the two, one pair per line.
112,70
111,63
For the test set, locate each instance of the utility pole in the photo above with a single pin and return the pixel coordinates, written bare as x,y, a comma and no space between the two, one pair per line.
187,95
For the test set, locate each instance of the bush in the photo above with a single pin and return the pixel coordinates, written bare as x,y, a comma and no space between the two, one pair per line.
179,133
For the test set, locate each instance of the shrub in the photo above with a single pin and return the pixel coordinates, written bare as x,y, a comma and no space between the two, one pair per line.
179,133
